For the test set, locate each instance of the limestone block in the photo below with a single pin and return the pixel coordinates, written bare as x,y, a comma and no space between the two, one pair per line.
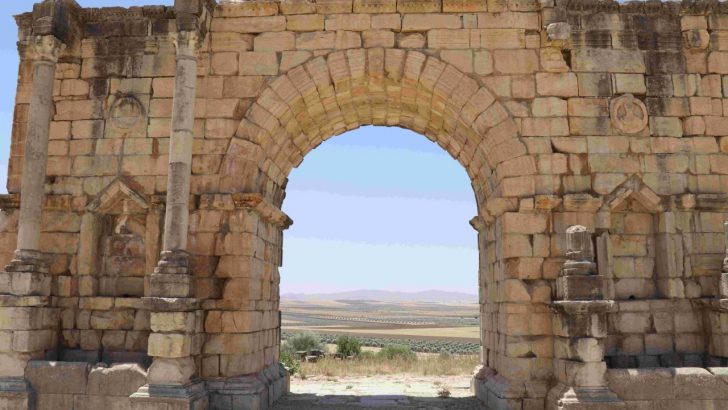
250,24
580,374
21,318
630,84
557,84
171,371
375,6
387,21
231,343
451,38
275,41
315,40
378,38
305,22
54,401
117,380
347,39
608,60
58,377
334,6
352,22
171,345
516,61
642,384
112,320
33,340
424,22
173,321
101,402
241,321
549,107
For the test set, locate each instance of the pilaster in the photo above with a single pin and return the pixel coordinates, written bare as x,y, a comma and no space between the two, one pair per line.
580,329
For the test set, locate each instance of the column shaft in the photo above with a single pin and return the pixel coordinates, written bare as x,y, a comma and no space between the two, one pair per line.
171,277
180,153
35,156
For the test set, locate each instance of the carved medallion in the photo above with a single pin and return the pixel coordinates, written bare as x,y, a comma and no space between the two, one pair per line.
628,114
126,112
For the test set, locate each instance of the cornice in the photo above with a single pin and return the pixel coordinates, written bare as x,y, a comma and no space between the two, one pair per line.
650,7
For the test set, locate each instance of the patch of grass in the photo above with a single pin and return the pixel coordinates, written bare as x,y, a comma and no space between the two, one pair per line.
374,364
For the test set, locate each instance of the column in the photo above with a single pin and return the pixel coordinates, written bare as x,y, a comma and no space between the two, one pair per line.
25,285
27,273
176,318
171,277
580,328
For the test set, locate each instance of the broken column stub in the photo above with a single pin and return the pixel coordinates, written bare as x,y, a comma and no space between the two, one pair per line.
172,378
579,279
580,328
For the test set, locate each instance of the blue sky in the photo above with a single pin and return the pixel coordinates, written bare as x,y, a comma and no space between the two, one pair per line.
374,208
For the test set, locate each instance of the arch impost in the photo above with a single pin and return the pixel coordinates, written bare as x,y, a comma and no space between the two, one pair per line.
257,203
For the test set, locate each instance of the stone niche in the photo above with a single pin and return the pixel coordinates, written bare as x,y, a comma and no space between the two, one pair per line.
627,252
121,240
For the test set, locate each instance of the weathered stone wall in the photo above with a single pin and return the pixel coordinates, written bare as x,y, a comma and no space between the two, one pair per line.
563,113
79,386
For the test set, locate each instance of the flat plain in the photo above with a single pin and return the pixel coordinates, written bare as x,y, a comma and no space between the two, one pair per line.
425,327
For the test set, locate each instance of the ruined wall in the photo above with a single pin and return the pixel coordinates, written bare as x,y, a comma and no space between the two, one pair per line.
563,113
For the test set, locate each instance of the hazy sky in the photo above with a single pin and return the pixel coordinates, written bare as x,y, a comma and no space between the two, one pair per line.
375,208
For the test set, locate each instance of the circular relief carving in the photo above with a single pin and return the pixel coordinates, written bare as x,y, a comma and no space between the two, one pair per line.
629,114
126,112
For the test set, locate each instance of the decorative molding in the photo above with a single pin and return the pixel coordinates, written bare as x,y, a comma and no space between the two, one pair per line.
635,189
628,114
9,201
113,194
650,7
47,48
265,209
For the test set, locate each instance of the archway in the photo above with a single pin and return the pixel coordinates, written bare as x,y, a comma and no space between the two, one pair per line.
329,95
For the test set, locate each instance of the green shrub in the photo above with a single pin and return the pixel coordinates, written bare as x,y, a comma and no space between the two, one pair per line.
305,342
397,352
289,359
348,346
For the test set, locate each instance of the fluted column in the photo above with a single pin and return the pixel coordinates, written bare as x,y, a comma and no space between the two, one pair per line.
27,274
172,277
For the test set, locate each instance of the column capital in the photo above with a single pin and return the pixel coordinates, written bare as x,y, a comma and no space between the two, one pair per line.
59,18
47,48
187,43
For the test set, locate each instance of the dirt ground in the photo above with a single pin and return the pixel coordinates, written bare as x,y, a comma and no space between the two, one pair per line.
379,392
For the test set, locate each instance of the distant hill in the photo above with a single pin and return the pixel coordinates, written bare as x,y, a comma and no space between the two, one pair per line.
430,296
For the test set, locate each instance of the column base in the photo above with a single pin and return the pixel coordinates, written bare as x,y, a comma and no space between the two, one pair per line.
497,392
172,277
26,275
563,397
15,394
190,396
252,392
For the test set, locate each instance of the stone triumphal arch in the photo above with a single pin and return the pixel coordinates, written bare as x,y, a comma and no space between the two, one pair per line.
151,148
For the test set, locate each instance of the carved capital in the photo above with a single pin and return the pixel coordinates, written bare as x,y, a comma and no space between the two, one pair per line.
47,48
187,43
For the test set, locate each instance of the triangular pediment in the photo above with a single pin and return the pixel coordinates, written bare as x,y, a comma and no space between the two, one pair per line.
115,197
633,195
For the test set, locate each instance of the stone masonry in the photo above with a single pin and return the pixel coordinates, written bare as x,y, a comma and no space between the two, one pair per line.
149,160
